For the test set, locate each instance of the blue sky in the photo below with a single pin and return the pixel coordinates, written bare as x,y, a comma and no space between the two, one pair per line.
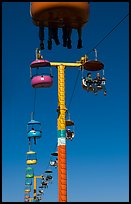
98,157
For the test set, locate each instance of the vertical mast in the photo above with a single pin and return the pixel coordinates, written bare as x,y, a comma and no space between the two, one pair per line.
61,127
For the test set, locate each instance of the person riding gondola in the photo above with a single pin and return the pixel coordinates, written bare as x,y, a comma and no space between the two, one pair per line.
67,30
41,37
52,34
89,81
69,134
98,81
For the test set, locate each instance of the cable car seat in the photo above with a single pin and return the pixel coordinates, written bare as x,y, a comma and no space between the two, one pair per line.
90,88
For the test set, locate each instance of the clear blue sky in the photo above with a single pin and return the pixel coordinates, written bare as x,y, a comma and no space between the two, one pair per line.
98,157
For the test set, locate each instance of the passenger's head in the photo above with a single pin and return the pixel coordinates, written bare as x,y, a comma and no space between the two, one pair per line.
89,74
98,74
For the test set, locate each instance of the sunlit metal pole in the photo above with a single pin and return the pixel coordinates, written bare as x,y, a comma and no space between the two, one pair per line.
62,177
61,129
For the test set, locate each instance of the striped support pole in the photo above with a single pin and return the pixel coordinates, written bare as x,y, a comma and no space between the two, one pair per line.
62,180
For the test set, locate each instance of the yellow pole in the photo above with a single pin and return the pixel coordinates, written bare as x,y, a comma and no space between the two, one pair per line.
35,185
62,179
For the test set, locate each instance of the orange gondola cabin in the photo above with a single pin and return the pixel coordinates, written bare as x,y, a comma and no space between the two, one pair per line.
54,15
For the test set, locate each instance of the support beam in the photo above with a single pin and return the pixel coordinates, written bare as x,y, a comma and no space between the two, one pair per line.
62,177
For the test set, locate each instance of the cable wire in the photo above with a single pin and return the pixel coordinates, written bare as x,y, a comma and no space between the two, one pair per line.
109,32
73,90
34,102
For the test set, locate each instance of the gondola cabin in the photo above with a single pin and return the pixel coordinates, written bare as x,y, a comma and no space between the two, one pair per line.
42,81
27,189
31,158
29,172
39,78
39,198
69,129
44,184
75,14
28,182
54,162
49,178
92,66
55,15
48,172
41,191
27,196
34,130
